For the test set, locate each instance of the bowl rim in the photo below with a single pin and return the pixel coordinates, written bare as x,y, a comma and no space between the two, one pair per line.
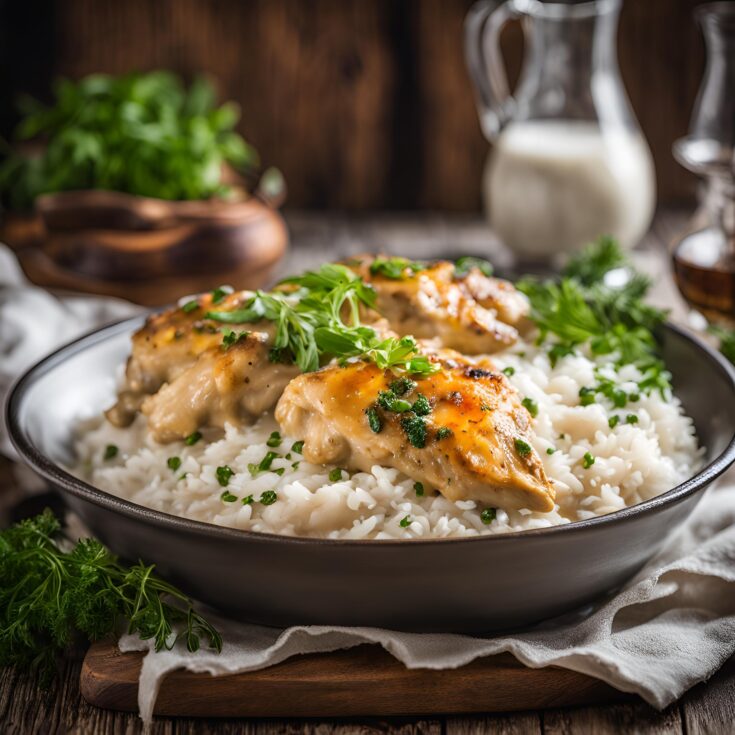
59,477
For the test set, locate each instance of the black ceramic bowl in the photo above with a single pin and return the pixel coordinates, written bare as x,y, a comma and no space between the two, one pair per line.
471,584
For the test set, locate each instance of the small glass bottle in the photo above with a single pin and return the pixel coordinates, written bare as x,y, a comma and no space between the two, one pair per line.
704,259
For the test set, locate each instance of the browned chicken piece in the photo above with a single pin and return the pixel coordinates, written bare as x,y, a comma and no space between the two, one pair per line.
183,376
474,314
462,430
234,386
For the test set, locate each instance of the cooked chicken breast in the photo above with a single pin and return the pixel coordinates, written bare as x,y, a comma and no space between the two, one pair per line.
474,314
462,431
184,375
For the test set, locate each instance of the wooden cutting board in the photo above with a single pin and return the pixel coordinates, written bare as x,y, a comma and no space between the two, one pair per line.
357,682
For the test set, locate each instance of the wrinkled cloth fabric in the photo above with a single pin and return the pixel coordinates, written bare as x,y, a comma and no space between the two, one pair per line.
671,627
33,323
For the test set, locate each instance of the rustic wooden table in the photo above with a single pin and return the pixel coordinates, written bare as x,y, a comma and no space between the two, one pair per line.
708,708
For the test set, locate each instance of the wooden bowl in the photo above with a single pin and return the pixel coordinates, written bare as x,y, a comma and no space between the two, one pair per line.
150,250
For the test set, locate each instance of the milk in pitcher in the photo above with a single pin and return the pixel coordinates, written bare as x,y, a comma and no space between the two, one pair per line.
553,186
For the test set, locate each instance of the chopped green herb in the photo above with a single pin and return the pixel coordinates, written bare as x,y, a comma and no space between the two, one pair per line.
279,471
228,497
631,418
335,475
522,447
444,433
421,406
274,440
419,488
374,420
531,406
635,397
295,465
405,522
248,500
613,421
588,460
399,405
509,371
111,452
463,266
264,465
269,497
230,337
550,451
223,475
219,293
586,396
297,447
192,439
402,386
488,515
173,463
415,430
190,306
397,269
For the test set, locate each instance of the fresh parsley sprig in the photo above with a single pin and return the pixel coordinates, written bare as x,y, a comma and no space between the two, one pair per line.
318,319
582,308
141,133
48,594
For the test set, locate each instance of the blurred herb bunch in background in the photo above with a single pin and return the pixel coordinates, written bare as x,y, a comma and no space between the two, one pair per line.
144,134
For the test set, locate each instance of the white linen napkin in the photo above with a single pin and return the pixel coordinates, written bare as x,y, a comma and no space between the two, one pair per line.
33,323
670,628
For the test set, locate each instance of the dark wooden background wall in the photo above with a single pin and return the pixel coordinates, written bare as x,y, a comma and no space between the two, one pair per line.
363,104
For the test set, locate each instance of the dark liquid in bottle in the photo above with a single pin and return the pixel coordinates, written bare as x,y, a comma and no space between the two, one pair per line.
704,267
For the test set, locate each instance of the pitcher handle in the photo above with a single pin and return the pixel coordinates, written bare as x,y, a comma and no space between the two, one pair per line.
482,28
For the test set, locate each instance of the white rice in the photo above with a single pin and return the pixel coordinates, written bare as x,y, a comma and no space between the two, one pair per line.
632,463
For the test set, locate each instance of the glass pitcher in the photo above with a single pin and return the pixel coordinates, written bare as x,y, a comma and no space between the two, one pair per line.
569,162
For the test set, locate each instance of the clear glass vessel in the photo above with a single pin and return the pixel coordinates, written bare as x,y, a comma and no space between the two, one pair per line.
704,260
569,162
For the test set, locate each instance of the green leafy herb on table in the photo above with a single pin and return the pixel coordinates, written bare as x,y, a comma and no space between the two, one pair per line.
50,590
582,308
143,134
